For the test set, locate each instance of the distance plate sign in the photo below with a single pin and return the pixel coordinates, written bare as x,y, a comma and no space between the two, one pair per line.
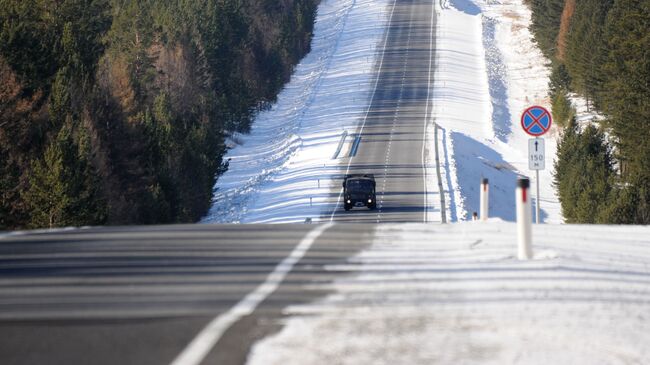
536,155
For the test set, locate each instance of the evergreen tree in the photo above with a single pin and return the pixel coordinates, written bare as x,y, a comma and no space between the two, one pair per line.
560,80
545,25
63,187
629,204
562,109
587,49
32,36
627,100
130,37
584,174
60,98
26,41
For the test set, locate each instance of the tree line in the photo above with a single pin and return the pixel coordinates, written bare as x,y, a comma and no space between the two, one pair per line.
116,111
600,49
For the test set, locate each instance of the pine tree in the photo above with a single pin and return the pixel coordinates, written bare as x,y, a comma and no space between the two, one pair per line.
63,189
26,42
563,169
545,25
584,173
562,109
560,80
587,48
47,195
627,99
129,38
627,103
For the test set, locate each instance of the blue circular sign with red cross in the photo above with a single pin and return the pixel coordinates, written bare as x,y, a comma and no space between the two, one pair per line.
536,120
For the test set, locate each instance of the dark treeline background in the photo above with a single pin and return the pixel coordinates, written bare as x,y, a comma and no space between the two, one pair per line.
600,49
115,111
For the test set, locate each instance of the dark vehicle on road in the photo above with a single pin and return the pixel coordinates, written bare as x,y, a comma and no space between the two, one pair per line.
358,191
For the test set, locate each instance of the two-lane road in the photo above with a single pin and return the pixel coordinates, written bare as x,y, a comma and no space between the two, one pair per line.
140,295
393,131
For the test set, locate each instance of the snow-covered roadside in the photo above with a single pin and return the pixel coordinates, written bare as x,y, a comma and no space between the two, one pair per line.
456,294
488,71
281,171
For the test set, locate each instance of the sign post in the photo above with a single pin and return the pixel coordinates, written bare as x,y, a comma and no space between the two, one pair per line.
536,161
536,121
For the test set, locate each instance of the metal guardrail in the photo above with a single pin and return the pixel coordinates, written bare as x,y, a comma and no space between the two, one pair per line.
441,189
341,142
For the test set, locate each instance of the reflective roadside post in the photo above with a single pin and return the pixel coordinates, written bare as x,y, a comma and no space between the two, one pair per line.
485,194
524,220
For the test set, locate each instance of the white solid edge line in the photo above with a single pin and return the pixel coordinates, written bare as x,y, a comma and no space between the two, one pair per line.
39,231
426,119
372,98
203,343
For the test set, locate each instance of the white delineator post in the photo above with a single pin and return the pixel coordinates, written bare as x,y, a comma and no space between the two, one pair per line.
524,220
485,193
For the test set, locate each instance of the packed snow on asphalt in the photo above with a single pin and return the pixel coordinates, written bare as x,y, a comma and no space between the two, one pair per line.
456,294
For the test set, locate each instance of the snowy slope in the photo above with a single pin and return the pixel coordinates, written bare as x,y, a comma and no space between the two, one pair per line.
456,294
487,72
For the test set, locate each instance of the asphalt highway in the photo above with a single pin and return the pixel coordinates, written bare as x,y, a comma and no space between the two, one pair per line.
392,132
141,295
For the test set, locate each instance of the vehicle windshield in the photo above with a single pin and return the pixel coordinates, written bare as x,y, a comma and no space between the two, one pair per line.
359,185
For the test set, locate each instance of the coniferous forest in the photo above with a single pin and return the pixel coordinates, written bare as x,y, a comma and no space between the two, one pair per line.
116,111
600,49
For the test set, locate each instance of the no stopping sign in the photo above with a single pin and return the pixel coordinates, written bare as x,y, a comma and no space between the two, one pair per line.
536,120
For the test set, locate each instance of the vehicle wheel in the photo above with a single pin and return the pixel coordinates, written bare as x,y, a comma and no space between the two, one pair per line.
347,207
372,206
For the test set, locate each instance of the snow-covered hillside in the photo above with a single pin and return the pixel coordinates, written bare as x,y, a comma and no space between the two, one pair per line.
487,72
